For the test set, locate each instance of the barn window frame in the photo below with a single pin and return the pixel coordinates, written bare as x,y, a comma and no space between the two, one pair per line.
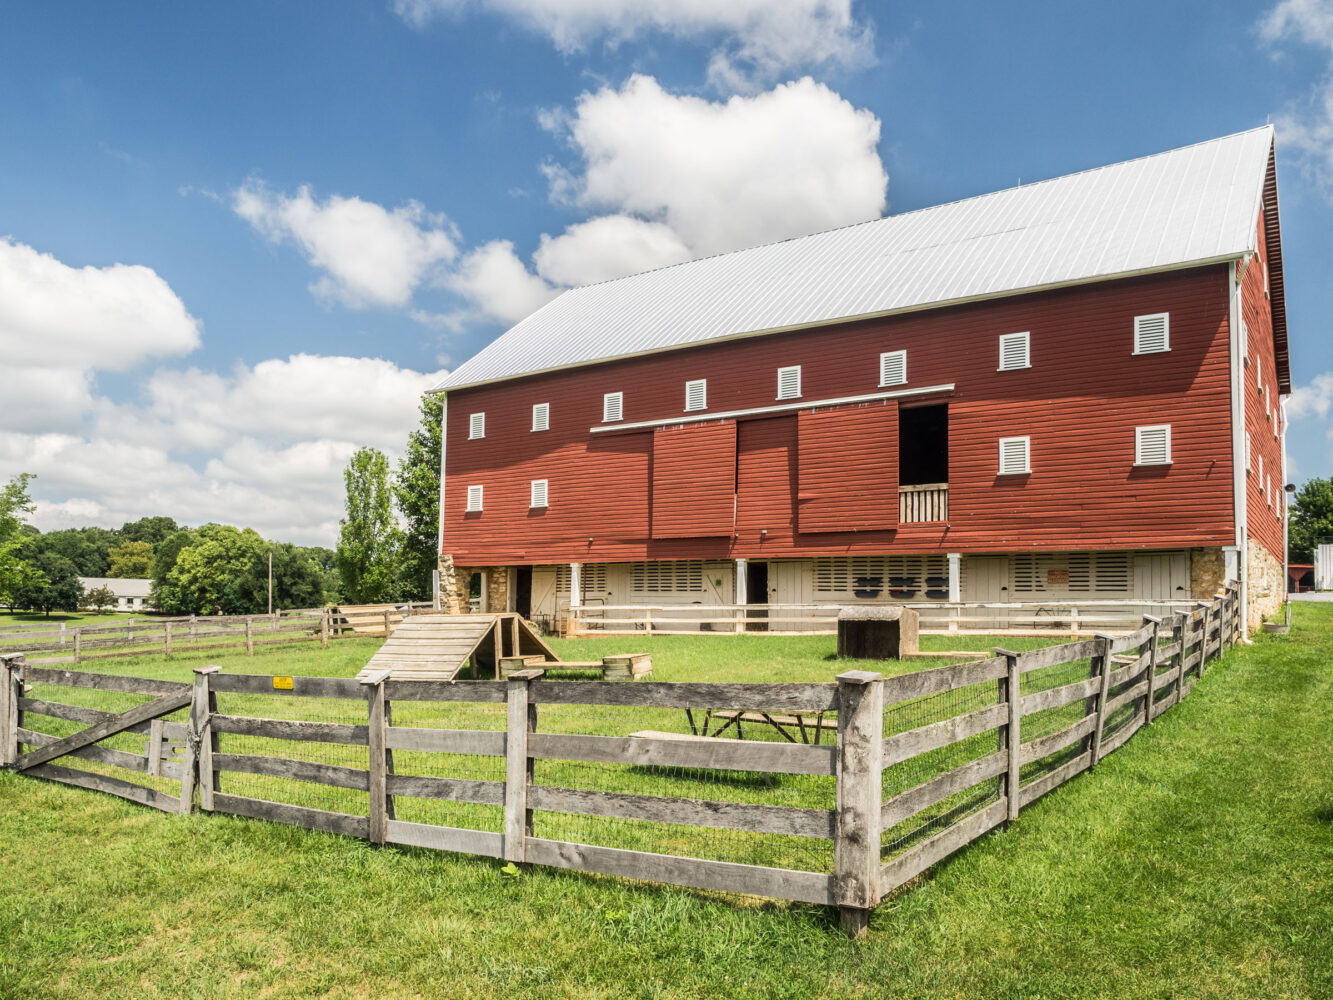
475,496
1006,457
696,395
893,368
789,382
476,427
1140,322
1143,435
613,407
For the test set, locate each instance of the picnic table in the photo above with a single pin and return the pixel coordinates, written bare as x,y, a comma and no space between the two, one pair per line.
808,726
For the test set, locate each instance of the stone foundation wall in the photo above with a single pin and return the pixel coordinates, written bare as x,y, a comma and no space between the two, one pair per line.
1207,573
456,583
1264,573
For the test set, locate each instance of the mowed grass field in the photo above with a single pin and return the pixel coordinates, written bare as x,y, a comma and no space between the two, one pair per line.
1197,861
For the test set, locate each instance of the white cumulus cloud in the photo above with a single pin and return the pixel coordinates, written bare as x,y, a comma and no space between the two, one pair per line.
497,283
606,247
1307,128
370,255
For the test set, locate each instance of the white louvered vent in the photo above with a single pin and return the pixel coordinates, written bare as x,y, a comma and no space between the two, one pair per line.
1152,445
882,577
893,368
696,394
1152,333
1248,463
1014,352
1258,369
789,382
682,576
592,578
474,498
476,426
1244,340
1014,456
612,407
538,493
541,416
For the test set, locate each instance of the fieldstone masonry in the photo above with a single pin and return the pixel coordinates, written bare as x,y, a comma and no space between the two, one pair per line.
1266,585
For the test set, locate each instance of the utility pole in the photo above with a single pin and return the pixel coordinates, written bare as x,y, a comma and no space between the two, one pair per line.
270,581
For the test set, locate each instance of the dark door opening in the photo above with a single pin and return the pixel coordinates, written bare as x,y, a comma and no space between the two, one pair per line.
523,592
756,593
923,445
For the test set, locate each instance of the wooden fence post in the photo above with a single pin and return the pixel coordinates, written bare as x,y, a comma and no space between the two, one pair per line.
1156,624
324,629
377,740
249,638
166,640
78,642
1104,656
518,765
194,628
386,623
856,830
1178,620
1011,695
10,716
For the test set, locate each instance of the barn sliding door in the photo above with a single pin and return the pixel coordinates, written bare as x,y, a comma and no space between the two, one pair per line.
847,468
694,480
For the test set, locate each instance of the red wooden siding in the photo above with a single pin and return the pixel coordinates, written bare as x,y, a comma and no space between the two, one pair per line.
1079,402
694,480
848,469
1263,511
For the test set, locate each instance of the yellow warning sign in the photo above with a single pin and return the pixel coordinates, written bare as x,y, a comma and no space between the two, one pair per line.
282,683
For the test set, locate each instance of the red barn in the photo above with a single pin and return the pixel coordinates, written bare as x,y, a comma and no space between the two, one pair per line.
1066,391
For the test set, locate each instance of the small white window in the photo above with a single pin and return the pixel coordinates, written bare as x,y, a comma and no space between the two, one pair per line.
893,368
476,426
1152,333
1014,457
696,394
541,416
1244,341
539,493
1152,445
612,407
1014,351
473,498
789,382
1248,465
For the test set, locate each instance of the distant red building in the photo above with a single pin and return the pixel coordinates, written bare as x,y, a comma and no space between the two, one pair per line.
1068,390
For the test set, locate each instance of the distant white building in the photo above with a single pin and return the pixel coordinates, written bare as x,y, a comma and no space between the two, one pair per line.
1323,567
131,595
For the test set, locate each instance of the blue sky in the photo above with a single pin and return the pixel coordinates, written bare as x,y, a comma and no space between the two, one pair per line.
318,207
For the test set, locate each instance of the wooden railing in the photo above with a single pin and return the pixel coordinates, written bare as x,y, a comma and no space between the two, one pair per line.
533,770
928,502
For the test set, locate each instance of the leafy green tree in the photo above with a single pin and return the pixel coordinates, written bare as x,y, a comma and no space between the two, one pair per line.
54,587
327,562
297,582
198,583
148,529
1311,519
87,548
131,560
15,505
369,541
164,595
99,600
416,490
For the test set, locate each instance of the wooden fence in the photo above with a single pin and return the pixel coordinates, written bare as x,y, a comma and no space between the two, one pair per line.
628,779
149,636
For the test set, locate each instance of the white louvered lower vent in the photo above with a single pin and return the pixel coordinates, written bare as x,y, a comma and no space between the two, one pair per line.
893,368
1152,333
1014,457
476,426
696,394
1014,352
612,407
592,579
474,498
681,576
541,416
1152,445
883,577
539,493
789,382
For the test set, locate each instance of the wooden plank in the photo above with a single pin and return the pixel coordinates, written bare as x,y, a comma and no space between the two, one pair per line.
658,694
105,755
1104,660
1013,731
1133,669
1118,740
378,757
297,770
1045,745
105,783
860,750
902,746
722,754
784,820
103,682
1036,789
778,883
417,690
480,742
1039,701
919,683
445,838
302,687
911,864
107,727
1051,656
1128,695
907,804
59,710
282,729
522,720
278,812
486,793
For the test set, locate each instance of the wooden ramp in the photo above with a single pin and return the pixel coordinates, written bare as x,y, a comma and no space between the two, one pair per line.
435,647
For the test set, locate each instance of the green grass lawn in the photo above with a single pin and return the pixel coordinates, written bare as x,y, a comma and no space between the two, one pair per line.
1196,861
70,618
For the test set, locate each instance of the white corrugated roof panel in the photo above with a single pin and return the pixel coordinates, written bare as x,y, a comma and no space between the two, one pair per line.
1170,210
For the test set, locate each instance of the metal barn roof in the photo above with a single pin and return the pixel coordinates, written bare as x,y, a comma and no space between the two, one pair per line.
1188,206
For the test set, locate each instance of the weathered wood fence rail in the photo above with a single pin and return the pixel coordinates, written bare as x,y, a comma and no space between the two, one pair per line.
617,778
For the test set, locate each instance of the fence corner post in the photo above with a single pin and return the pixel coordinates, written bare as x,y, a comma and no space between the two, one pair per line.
856,827
198,767
1013,733
10,716
522,720
1153,642
1104,658
377,733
